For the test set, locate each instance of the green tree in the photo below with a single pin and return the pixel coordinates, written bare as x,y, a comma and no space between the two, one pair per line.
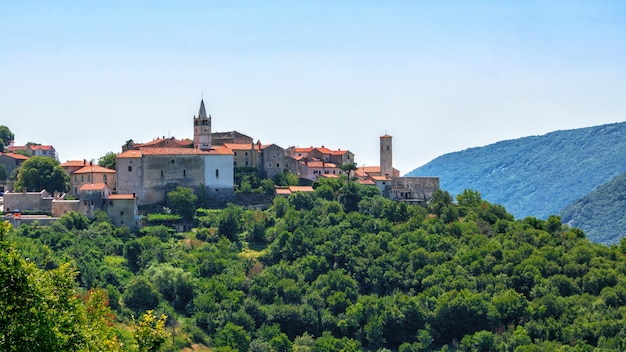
349,197
6,137
140,294
348,168
3,173
40,172
108,160
233,336
182,201
40,310
230,221
150,332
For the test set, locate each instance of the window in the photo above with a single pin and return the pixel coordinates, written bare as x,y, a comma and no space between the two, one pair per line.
75,190
269,165
130,168
184,173
161,173
235,153
217,173
111,203
246,162
246,154
172,161
82,178
121,213
104,178
277,165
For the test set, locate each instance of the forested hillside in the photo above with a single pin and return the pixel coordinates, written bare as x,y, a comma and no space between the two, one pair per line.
340,269
539,175
601,213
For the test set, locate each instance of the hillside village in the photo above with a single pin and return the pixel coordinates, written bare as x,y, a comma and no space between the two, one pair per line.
208,163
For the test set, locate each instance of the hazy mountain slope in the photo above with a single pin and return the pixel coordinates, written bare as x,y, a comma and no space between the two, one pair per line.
538,175
601,213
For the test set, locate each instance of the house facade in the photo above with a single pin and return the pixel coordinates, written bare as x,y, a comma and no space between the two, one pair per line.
91,174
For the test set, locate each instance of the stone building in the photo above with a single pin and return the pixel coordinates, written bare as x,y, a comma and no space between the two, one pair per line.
311,163
232,137
150,171
416,190
91,174
12,161
272,160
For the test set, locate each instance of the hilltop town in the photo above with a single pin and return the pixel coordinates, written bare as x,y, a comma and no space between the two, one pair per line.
211,164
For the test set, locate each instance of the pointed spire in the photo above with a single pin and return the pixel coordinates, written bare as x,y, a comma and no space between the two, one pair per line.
202,112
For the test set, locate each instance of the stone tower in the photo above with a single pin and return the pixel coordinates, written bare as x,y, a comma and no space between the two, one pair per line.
202,129
386,160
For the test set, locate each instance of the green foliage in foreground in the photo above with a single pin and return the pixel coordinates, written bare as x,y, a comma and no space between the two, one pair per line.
307,275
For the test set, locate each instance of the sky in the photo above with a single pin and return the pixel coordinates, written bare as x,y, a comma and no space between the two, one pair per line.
438,76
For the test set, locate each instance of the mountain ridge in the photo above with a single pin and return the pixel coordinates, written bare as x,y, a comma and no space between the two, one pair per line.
535,175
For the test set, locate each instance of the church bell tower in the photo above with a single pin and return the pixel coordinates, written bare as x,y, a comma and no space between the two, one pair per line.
386,160
202,129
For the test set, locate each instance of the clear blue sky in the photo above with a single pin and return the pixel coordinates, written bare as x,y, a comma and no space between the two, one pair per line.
439,76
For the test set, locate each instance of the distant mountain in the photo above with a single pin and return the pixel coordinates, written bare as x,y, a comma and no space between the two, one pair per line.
601,213
535,176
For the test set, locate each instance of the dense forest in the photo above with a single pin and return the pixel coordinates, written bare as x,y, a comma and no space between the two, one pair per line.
340,269
601,213
538,175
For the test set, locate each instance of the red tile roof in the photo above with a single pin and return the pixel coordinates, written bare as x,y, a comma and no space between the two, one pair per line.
320,164
175,142
186,151
367,182
130,154
42,147
283,191
381,178
301,189
74,163
324,150
93,187
93,168
121,196
241,146
15,156
340,152
303,150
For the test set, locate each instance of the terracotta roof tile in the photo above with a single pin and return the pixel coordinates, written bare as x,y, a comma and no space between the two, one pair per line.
186,151
381,178
367,182
283,191
93,187
130,154
324,150
73,163
15,156
121,196
93,168
301,189
42,147
241,146
320,164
